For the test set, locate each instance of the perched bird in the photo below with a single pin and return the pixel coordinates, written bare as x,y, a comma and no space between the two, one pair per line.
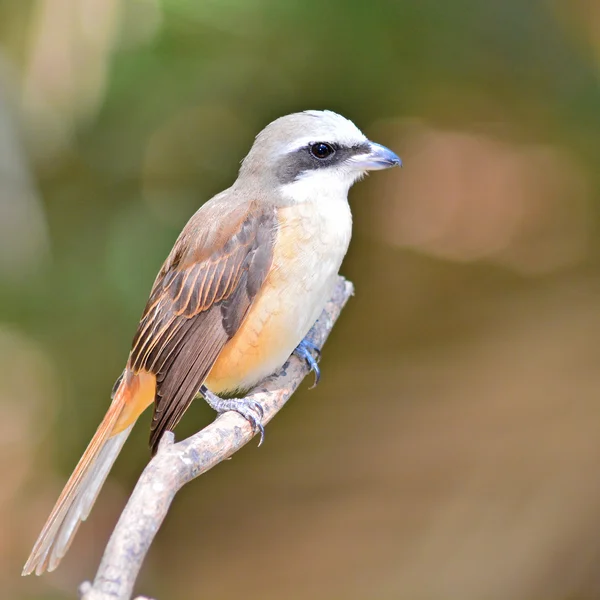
245,281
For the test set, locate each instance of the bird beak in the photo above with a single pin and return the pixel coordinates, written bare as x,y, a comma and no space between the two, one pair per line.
379,157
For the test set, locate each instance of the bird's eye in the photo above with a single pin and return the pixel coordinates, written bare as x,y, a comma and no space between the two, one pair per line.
321,150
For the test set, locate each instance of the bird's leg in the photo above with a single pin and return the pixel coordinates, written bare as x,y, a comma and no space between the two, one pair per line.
311,353
249,409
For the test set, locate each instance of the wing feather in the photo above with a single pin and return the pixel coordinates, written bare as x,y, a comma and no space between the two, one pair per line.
198,302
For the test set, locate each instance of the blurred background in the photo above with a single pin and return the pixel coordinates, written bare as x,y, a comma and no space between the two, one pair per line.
452,450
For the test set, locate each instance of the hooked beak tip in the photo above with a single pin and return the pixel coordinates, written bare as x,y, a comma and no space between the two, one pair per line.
378,158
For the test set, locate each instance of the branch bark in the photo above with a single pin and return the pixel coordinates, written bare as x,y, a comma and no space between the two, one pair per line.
176,464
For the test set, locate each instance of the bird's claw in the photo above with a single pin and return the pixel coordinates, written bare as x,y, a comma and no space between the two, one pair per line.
251,410
308,350
312,346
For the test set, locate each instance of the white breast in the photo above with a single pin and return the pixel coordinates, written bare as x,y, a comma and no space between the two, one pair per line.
313,240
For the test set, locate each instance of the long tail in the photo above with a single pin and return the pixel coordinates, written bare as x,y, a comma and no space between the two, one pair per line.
133,394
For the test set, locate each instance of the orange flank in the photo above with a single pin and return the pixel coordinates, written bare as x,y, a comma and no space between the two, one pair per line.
245,353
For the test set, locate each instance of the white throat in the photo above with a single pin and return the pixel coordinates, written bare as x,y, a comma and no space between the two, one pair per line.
320,185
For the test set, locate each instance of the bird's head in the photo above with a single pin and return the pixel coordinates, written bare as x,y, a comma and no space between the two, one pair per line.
315,152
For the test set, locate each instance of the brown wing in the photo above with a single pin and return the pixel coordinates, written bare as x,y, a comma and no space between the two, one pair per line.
198,302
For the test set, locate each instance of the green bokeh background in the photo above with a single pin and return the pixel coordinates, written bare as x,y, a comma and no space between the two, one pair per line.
452,448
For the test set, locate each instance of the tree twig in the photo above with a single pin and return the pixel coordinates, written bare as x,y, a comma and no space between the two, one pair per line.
175,464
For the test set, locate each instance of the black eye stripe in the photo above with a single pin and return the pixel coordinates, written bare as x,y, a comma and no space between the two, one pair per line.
294,164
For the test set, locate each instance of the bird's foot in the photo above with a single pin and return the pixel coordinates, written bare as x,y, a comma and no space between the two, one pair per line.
249,409
311,353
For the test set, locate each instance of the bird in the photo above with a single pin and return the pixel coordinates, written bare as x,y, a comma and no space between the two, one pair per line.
246,280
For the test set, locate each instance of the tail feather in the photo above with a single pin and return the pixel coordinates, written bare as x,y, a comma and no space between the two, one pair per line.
82,488
82,504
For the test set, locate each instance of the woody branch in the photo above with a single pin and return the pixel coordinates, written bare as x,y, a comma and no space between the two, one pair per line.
176,464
